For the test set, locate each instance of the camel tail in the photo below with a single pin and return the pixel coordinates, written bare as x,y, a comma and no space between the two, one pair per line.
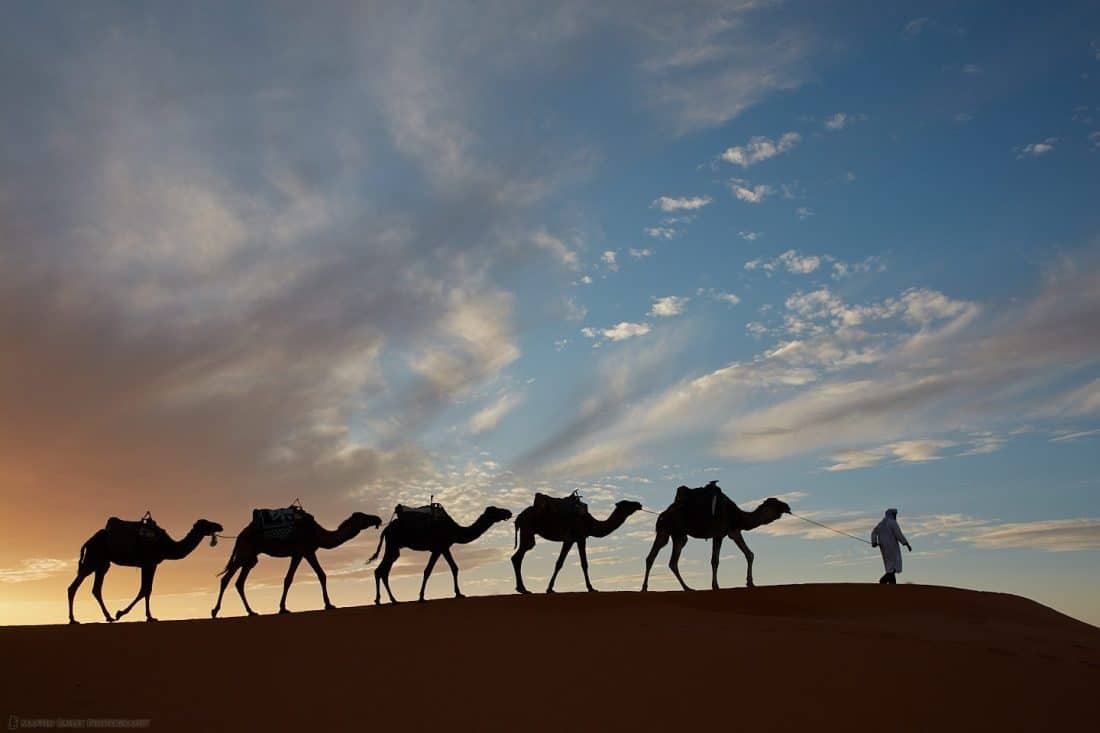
381,541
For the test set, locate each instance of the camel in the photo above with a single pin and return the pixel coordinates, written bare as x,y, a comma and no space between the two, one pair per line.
568,527
427,529
133,544
303,542
707,513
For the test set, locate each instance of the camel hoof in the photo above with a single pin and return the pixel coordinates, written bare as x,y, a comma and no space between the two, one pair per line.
593,590
550,591
252,613
73,621
329,607
523,591
421,600
150,618
118,615
213,613
460,595
283,610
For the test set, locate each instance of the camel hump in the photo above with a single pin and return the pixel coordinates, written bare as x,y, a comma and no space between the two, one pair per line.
572,504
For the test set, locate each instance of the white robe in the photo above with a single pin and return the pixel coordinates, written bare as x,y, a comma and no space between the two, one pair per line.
887,535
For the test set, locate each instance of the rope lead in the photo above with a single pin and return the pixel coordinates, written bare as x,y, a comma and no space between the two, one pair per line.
831,529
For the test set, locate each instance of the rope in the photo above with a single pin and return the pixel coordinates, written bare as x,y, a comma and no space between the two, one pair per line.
831,529
649,512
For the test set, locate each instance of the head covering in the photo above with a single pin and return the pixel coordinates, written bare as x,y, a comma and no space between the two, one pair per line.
891,512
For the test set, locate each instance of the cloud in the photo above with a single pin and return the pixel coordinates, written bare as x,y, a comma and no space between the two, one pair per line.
1075,435
37,568
745,191
841,120
669,204
1034,150
619,332
842,270
559,249
905,451
1053,535
670,305
804,212
915,27
721,296
1094,140
639,254
610,259
660,232
759,149
790,261
490,416
750,236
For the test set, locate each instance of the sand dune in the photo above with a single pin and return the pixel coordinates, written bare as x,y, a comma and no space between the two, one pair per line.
804,657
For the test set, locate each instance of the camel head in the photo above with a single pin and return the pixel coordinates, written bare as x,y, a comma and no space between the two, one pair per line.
496,514
205,527
628,506
361,521
774,508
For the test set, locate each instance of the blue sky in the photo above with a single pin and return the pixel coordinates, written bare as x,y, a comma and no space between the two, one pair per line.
843,253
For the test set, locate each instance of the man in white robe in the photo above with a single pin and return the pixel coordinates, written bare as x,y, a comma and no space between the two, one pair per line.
888,538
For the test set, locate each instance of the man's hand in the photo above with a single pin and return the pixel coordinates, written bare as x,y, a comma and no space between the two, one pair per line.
909,547
874,544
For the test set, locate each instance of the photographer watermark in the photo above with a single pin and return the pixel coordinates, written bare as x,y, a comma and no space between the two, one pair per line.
17,722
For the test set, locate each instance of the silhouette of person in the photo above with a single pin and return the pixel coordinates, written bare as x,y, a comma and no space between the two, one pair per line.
887,536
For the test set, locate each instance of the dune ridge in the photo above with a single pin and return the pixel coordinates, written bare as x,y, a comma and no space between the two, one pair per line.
824,656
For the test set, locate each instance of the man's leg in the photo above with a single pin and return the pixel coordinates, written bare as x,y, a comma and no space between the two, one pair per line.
884,579
891,579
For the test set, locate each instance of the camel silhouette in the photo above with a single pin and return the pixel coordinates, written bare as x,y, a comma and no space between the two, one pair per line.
427,529
707,513
132,544
562,521
303,542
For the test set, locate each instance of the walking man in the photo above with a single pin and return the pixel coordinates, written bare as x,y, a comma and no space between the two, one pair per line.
888,538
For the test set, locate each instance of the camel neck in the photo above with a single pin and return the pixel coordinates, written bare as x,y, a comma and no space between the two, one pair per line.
177,550
328,539
604,527
473,531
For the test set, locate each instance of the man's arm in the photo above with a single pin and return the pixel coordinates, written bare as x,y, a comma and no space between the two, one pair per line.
901,537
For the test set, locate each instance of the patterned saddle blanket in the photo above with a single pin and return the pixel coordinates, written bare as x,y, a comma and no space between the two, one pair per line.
703,498
280,523
571,504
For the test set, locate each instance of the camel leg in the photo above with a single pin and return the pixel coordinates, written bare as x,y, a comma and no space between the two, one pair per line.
526,542
311,558
740,542
245,570
82,572
427,573
566,546
674,561
658,544
382,574
294,560
584,564
146,583
715,552
454,571
227,576
97,590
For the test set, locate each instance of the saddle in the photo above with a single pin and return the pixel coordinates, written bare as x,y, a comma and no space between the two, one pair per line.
144,530
279,524
562,505
703,498
428,514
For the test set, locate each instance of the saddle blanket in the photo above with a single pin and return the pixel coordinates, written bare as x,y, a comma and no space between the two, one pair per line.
278,523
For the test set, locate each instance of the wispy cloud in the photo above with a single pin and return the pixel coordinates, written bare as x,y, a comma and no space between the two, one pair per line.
619,332
686,203
670,305
37,568
745,191
1035,150
759,149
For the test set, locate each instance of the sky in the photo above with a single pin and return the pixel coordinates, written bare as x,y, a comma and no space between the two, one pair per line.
846,254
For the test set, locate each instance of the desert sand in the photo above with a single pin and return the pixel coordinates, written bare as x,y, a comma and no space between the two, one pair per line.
808,657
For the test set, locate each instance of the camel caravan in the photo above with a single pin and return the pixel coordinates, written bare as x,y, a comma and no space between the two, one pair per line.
703,513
